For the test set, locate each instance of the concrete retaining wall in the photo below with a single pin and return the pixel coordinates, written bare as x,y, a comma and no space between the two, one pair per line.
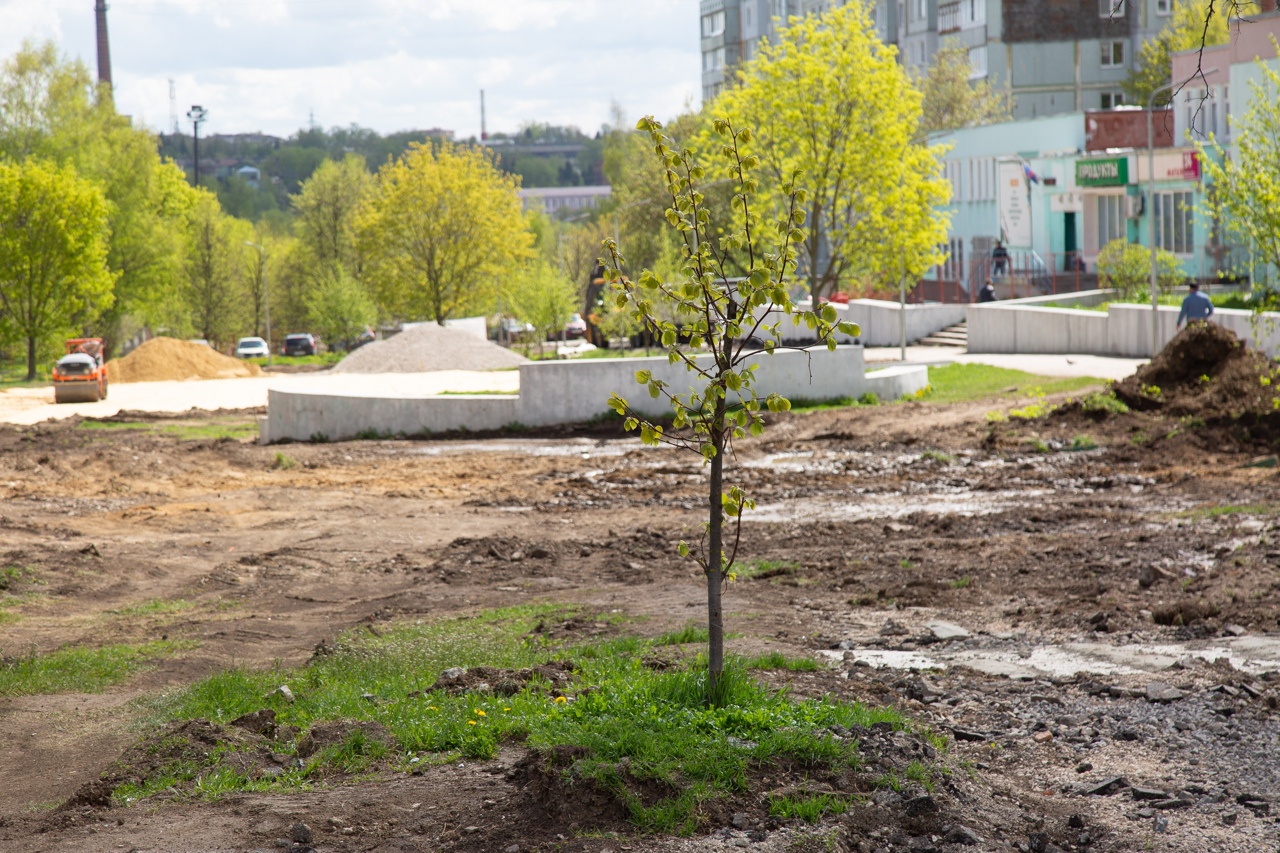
572,392
1019,326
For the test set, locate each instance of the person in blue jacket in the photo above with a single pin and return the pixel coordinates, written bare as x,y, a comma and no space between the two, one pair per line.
1195,307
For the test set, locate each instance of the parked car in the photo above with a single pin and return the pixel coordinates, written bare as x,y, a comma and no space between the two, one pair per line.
515,330
575,328
303,343
252,348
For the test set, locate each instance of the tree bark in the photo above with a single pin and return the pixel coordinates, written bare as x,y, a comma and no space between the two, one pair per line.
715,559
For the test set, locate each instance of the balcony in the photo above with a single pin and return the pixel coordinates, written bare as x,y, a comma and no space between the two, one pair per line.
961,15
949,19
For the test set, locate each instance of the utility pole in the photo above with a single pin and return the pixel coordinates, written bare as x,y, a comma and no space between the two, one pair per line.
197,115
266,295
484,131
173,108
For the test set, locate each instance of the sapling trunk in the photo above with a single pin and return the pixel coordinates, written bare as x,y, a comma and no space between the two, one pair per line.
31,358
715,572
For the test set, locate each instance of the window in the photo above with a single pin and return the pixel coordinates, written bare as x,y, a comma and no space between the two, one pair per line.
977,62
1175,221
1111,224
1164,7
746,17
920,10
779,9
713,60
1111,100
1111,8
713,24
1113,54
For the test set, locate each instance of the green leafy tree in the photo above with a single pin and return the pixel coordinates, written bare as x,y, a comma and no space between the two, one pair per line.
51,109
215,272
544,298
865,173
1188,29
326,209
340,308
951,101
438,231
720,313
1127,267
1246,185
53,252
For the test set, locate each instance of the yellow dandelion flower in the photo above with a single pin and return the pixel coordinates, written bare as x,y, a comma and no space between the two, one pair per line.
560,700
506,708
471,722
479,712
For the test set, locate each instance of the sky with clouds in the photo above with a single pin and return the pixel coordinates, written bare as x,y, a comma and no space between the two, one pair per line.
265,65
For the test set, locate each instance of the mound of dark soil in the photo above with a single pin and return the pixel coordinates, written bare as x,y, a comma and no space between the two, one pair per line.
178,744
503,682
324,735
1205,372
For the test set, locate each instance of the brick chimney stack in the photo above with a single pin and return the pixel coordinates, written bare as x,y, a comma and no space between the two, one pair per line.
104,45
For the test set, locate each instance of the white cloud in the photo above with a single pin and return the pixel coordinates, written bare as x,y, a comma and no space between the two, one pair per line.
386,64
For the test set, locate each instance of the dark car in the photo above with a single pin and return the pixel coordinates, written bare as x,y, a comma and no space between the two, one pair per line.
301,344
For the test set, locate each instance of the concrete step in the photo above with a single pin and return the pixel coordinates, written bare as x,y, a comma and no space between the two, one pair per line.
952,336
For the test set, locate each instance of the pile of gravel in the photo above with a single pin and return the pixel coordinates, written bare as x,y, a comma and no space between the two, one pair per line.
426,348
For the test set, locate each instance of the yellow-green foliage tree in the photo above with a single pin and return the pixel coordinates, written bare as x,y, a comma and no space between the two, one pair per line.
50,109
439,230
53,252
1246,186
831,101
1127,267
719,313
952,101
340,309
1188,28
215,280
326,207
543,297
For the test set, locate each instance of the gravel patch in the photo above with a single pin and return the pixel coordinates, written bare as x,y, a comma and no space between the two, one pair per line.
427,348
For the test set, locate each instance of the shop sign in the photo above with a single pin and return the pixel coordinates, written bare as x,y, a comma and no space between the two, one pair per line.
1014,208
1102,172
1171,166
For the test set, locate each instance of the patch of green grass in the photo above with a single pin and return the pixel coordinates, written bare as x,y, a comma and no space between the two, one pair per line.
962,583
1038,445
809,808
617,708
201,430
904,563
479,393
1102,403
938,456
1031,411
764,568
1228,509
777,660
80,670
690,633
325,358
956,383
1083,442
283,461
154,607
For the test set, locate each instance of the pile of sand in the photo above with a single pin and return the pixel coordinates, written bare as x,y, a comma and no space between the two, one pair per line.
1204,371
427,348
163,359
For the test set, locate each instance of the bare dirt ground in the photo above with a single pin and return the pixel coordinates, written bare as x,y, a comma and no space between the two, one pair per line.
877,523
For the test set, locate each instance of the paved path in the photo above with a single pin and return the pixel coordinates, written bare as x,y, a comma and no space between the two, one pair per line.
1103,367
32,405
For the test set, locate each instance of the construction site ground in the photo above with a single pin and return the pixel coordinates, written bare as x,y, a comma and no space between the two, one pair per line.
1090,606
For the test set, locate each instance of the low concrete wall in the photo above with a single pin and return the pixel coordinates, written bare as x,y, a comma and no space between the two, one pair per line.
572,392
1019,326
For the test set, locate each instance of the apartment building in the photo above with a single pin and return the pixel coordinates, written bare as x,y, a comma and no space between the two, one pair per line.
1056,56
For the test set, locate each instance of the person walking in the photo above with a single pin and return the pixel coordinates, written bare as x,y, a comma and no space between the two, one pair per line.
999,259
1195,307
987,293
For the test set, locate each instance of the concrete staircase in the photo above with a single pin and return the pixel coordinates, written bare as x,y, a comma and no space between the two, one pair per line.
952,336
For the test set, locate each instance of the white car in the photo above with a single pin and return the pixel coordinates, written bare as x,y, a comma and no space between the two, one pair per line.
252,348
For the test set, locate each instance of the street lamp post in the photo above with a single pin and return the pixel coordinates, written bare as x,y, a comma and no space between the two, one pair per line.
1151,202
197,114
266,297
